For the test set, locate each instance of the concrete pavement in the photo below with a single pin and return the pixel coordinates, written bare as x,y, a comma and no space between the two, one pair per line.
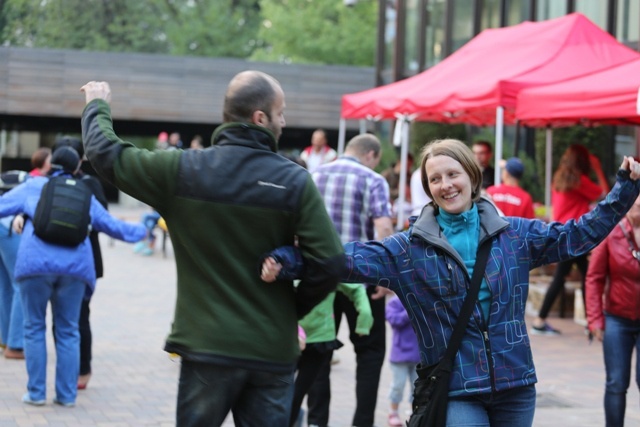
134,382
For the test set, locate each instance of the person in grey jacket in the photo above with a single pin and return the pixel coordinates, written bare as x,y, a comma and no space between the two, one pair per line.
429,267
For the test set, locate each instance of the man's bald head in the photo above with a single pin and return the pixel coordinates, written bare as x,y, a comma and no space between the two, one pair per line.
249,91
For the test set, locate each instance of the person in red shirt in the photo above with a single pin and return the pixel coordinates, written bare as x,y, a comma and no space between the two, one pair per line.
509,197
572,193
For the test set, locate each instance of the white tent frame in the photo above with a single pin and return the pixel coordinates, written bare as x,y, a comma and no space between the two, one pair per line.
401,139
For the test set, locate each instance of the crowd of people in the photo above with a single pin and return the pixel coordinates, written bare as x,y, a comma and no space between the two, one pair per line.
256,343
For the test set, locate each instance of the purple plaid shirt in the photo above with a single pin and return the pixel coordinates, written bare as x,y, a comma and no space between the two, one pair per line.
354,196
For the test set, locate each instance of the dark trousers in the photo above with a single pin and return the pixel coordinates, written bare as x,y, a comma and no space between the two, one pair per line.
557,284
208,392
85,338
370,351
84,328
309,365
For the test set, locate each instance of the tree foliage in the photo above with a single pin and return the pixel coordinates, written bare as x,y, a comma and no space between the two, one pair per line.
318,31
304,31
212,28
114,25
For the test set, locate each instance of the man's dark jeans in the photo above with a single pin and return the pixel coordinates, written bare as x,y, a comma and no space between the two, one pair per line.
207,393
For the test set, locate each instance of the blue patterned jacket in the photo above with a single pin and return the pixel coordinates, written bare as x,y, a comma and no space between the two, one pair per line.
430,279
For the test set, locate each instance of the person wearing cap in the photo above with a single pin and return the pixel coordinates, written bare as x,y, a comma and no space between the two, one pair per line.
62,275
509,197
84,324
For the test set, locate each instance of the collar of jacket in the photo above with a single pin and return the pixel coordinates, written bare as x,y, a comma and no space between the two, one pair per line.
246,134
427,228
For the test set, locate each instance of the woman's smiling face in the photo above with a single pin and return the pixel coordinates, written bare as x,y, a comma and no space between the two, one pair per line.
449,184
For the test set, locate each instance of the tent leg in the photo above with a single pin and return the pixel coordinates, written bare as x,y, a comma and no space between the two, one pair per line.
342,131
498,148
402,185
547,169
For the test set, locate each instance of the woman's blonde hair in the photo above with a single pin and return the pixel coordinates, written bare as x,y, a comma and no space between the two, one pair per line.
458,151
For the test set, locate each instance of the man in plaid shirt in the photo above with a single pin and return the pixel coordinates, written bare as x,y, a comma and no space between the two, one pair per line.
358,202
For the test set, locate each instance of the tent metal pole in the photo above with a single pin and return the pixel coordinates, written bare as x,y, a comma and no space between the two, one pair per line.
402,185
363,126
498,149
342,131
547,169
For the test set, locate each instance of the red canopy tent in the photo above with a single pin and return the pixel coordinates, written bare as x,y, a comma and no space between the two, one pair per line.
490,70
606,97
480,82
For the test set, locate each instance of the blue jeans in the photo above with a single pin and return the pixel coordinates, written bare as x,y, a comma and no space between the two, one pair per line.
509,408
401,373
11,320
621,336
65,294
207,393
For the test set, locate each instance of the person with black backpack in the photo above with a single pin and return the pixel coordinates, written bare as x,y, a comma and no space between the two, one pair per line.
54,264
84,325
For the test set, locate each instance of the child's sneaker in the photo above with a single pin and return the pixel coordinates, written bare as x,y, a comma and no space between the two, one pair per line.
544,330
139,247
394,420
147,251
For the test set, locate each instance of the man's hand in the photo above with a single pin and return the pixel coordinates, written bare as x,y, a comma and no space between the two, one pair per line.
18,224
270,270
96,90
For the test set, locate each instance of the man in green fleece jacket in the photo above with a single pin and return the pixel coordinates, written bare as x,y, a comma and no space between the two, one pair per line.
225,207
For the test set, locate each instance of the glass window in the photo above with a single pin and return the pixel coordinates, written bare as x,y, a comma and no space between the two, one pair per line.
411,38
595,10
435,31
462,30
517,11
626,144
548,9
390,36
627,21
490,14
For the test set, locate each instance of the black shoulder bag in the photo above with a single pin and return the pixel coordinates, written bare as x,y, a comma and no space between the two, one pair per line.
431,393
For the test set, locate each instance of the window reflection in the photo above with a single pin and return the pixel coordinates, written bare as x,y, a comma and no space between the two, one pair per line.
462,30
595,10
490,14
436,19
411,37
517,11
548,9
627,22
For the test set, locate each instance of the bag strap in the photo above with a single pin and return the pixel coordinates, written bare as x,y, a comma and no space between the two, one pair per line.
469,301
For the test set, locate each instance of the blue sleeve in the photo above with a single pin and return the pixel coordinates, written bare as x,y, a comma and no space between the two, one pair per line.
553,242
103,221
291,260
378,263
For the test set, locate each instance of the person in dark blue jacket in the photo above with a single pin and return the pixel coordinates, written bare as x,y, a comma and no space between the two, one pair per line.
62,275
430,265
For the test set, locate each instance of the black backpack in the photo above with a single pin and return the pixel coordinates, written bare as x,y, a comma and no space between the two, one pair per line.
62,216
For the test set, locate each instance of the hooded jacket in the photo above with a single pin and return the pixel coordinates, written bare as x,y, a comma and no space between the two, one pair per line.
430,279
36,257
